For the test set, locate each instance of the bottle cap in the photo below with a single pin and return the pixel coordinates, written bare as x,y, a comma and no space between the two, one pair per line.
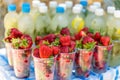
25,9
83,2
62,5
53,4
42,4
11,7
69,4
43,9
110,9
97,4
60,9
92,8
35,3
99,12
25,4
117,13
76,9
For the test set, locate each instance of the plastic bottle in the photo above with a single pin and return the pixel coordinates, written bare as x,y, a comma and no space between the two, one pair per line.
99,23
11,18
109,19
35,11
25,22
69,5
77,22
84,3
43,21
52,8
91,15
59,21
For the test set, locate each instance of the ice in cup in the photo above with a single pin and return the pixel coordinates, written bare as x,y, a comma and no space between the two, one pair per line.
21,60
9,53
64,66
101,58
44,68
83,62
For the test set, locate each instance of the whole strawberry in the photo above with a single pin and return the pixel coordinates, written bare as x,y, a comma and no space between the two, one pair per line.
97,36
36,52
26,42
85,29
14,33
87,39
64,49
105,40
56,50
50,38
72,46
65,40
45,51
65,31
37,40
79,35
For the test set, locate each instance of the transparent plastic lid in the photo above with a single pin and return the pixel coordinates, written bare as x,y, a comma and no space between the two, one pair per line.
117,13
99,12
62,5
69,4
43,9
76,9
12,7
53,4
110,9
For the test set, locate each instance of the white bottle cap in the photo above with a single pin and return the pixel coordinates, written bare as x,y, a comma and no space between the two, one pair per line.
35,3
53,4
63,5
42,4
43,9
110,9
117,13
69,4
97,4
92,8
99,12
76,9
78,5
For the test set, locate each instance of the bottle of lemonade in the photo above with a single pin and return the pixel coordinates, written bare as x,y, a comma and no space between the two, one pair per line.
11,18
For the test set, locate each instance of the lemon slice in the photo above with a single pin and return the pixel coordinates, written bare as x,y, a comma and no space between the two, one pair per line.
78,23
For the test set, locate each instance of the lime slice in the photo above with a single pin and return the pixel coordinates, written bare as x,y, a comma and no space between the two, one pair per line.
78,23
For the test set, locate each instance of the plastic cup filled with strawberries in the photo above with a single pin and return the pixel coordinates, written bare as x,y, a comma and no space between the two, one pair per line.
21,51
85,45
102,53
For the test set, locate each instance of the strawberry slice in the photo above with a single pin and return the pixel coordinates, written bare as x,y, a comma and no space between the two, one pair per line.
45,51
65,40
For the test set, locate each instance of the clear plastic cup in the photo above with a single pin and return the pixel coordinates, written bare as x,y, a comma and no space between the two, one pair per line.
21,60
44,68
9,53
83,62
101,58
64,66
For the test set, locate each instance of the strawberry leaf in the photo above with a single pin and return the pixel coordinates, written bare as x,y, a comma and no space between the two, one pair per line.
89,46
79,44
56,42
16,43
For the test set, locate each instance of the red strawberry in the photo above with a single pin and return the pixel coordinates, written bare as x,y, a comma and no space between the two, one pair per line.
72,38
8,39
15,33
37,40
64,49
65,40
50,38
45,51
85,29
36,52
79,35
87,39
56,50
105,40
65,31
26,42
72,46
97,36
90,34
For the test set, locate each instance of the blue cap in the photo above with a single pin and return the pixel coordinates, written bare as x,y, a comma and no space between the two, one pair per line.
25,4
11,7
60,9
84,2
25,9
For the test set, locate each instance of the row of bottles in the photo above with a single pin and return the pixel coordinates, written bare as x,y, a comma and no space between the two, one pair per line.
41,20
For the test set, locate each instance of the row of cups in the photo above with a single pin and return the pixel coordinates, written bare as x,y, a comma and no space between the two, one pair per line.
61,66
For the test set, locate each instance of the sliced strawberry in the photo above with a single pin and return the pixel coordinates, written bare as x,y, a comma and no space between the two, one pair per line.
56,50
36,53
105,40
65,31
45,51
65,40
37,40
50,38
